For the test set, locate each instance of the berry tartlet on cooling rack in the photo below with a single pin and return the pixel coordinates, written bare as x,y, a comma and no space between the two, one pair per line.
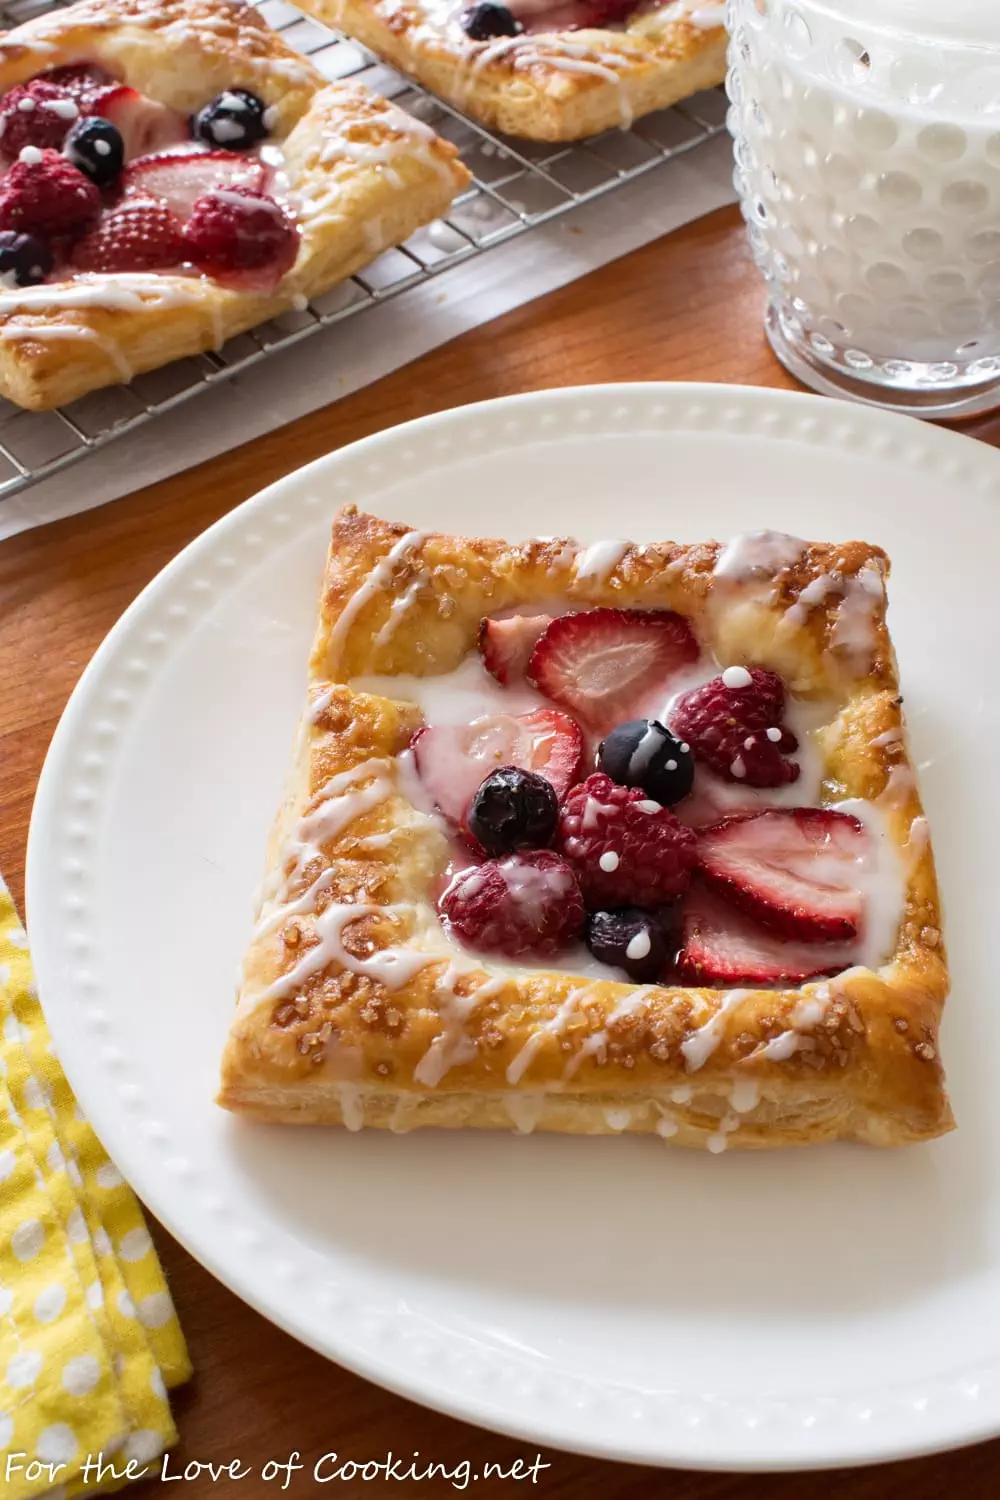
599,839
172,174
548,70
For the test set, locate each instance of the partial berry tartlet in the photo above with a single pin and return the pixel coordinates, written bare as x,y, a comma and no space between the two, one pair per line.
599,839
186,178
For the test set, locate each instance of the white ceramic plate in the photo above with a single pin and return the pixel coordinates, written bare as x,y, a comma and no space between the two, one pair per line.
607,1295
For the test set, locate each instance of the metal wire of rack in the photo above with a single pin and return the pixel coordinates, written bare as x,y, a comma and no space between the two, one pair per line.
516,186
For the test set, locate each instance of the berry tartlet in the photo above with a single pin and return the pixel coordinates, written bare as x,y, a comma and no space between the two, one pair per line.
172,174
547,70
599,839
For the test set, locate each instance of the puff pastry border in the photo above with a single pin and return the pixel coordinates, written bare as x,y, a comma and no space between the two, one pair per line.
558,86
453,1041
363,173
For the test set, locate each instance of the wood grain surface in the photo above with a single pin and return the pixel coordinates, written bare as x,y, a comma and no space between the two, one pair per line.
685,308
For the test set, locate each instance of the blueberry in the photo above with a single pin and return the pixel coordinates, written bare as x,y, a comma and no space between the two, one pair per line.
485,21
232,121
513,809
24,261
637,941
644,753
95,146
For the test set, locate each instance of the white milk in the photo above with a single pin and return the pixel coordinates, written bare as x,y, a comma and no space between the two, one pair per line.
869,166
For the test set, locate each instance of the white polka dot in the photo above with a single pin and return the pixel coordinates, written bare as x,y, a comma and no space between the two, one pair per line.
56,1444
95,1296
144,1445
108,1175
79,1115
6,1429
76,1227
4,974
102,1244
8,1161
125,1305
156,1385
32,1096
80,1375
13,1032
73,1173
6,1300
24,1369
156,1309
50,1303
27,1239
135,1244
54,1159
17,937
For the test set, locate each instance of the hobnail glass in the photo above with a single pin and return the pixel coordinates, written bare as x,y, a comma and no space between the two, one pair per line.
868,168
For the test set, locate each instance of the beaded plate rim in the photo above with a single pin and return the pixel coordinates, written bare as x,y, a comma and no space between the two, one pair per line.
505,1390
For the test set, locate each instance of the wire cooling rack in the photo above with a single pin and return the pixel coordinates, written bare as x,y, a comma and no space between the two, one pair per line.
516,186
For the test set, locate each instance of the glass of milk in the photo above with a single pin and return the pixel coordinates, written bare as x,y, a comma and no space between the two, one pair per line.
868,165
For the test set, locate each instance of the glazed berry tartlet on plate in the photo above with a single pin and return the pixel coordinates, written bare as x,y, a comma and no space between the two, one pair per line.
547,70
598,839
172,174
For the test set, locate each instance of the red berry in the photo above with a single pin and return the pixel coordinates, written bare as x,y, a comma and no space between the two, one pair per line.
238,230
144,125
455,759
35,114
81,81
524,903
47,197
571,15
506,645
180,180
721,947
737,731
626,849
794,870
138,235
606,665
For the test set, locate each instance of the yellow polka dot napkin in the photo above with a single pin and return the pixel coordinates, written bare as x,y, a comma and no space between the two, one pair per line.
89,1341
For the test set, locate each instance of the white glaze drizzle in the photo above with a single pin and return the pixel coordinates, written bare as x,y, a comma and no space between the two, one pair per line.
454,1046
596,1045
600,560
524,1110
378,580
699,1046
553,1028
758,554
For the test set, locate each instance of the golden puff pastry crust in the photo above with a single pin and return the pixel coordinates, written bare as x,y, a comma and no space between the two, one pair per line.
362,176
545,86
355,1008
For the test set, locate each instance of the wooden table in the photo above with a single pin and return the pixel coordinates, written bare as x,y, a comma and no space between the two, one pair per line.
686,308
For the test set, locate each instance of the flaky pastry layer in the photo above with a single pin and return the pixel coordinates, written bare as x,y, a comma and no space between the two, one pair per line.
362,176
389,1025
552,86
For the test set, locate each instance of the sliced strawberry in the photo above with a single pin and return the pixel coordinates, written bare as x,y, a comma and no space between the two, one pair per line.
795,870
144,125
179,179
455,759
506,645
722,948
607,665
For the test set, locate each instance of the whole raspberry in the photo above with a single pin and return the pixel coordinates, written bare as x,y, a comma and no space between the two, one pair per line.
525,903
47,197
237,229
733,725
35,114
138,235
626,849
